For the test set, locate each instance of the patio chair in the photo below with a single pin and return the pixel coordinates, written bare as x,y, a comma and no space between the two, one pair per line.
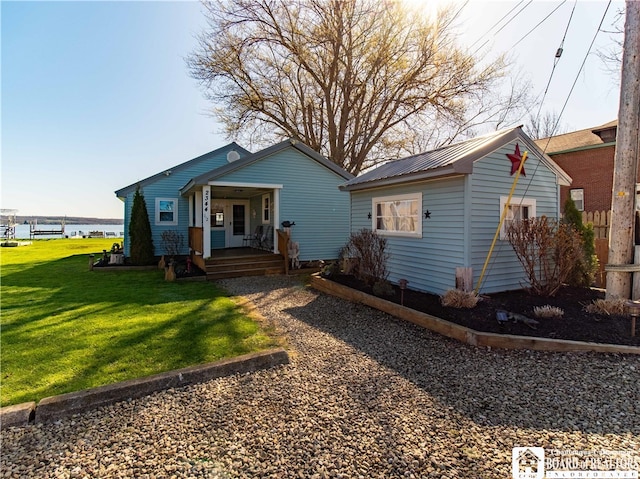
266,241
254,240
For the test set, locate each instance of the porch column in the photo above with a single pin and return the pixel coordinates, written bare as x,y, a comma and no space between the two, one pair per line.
276,217
198,205
206,221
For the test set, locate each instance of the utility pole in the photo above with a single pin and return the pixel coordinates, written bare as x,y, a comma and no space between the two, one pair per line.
625,172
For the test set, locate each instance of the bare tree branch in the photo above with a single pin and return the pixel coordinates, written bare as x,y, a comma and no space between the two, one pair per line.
357,80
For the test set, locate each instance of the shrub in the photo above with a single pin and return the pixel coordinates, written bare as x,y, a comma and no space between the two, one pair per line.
172,242
456,298
548,311
141,251
606,306
584,270
366,255
547,251
383,288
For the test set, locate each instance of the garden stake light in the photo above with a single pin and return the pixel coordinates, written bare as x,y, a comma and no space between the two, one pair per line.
403,285
634,312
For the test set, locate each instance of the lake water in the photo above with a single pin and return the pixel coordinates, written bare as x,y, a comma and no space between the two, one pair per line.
71,231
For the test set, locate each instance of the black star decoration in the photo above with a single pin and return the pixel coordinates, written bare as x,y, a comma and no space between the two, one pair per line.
369,216
427,214
516,158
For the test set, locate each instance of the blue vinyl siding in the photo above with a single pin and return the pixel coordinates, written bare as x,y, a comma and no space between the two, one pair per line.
428,263
309,196
217,239
465,213
168,187
491,179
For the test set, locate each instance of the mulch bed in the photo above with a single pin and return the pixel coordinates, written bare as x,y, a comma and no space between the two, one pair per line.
576,324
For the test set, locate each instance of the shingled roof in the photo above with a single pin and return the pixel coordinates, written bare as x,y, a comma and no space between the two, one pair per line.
578,139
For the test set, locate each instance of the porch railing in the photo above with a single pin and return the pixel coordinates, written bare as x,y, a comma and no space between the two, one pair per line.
195,239
195,244
283,248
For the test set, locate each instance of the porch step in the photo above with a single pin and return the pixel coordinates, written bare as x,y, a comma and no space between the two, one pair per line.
255,265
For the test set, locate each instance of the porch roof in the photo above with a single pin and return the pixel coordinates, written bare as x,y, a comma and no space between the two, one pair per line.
219,173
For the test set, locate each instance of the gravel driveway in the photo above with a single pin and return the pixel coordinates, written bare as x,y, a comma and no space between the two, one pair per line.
365,396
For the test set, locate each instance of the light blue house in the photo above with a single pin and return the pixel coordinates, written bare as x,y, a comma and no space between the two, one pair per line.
440,210
220,200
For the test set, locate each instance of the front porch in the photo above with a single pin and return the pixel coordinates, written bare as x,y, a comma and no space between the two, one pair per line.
236,262
243,261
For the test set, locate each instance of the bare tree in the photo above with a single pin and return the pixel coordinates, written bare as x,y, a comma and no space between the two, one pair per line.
611,57
544,126
357,80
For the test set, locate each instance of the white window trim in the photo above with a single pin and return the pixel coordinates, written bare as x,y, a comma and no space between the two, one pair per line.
406,234
581,207
266,209
174,222
530,202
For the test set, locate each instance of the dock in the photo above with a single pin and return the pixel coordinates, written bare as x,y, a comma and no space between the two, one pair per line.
35,231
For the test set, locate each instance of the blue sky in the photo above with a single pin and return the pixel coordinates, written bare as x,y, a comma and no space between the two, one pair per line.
96,95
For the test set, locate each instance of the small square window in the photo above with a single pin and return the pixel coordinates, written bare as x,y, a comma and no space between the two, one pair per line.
166,211
577,195
519,209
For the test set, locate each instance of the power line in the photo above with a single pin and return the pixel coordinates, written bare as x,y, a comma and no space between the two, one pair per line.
539,23
495,24
555,61
503,26
578,74
555,126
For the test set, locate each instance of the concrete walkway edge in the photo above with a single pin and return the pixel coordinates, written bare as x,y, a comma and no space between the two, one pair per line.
55,407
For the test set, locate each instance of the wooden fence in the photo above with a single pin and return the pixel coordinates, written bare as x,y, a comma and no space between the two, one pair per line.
601,221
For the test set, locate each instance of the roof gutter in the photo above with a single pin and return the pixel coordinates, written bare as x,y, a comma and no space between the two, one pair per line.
582,148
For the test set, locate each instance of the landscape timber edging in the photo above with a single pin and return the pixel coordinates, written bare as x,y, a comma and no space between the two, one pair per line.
462,333
17,414
53,408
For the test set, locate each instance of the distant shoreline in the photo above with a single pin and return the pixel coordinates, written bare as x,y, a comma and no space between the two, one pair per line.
68,220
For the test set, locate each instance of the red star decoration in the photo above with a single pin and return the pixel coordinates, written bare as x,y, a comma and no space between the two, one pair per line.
516,158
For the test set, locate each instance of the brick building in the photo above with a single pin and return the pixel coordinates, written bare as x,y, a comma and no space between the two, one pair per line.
588,157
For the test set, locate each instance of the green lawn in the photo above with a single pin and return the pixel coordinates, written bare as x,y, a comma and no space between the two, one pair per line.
65,328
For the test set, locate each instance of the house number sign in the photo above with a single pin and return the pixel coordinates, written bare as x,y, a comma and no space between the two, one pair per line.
205,208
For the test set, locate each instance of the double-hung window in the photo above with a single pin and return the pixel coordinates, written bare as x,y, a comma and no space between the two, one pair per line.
577,195
399,215
519,209
166,211
266,209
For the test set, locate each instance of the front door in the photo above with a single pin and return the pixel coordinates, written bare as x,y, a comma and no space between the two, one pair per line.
237,223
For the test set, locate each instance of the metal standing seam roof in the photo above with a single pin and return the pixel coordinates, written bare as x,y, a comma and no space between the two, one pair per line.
451,159
423,162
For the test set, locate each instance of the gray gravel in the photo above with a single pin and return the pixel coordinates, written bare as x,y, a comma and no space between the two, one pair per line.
364,396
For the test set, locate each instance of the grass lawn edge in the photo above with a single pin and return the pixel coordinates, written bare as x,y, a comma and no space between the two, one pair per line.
56,407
